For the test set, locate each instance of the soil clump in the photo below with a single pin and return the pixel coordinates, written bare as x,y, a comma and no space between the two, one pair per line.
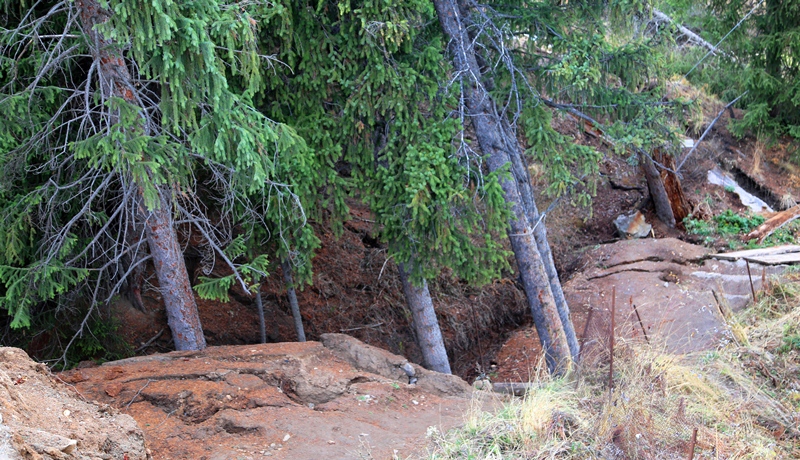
41,419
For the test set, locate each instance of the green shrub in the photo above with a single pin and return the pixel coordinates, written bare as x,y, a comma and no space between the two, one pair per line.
730,223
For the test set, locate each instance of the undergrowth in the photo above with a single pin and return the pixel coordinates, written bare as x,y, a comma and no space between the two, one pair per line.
742,398
729,224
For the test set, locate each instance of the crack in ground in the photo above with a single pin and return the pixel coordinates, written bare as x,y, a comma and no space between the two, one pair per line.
638,270
685,262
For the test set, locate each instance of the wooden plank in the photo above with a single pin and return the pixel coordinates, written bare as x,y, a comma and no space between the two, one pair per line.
776,259
785,249
774,223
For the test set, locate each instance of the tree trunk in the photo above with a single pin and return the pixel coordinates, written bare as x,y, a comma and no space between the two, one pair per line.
418,299
496,143
657,191
262,325
298,320
672,187
774,223
173,280
426,326
540,234
115,80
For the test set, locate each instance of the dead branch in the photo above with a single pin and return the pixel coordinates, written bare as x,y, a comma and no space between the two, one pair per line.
703,136
692,36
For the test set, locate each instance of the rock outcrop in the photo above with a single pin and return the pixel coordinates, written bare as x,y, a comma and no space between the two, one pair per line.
283,400
675,286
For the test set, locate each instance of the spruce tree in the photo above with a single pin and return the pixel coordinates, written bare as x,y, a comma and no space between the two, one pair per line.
128,112
514,62
759,59
361,83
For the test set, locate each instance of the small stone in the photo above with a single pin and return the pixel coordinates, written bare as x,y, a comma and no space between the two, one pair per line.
287,437
66,413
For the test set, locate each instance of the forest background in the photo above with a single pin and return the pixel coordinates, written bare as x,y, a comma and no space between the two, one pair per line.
137,135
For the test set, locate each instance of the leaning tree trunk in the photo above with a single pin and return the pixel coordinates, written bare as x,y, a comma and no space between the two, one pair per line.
540,234
523,179
173,280
426,326
298,320
496,143
116,81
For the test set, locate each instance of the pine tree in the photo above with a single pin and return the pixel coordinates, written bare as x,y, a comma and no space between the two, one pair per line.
154,124
513,62
362,85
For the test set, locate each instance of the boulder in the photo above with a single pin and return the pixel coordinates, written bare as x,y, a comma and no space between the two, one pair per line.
632,225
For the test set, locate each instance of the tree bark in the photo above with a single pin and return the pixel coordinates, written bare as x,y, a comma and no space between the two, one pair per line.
262,326
540,234
496,143
657,191
173,280
523,179
774,223
426,326
672,187
298,320
179,301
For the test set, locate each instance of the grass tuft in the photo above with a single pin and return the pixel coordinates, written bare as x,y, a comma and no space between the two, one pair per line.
743,399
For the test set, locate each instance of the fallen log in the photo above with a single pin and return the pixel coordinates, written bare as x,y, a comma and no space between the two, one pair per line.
685,31
774,223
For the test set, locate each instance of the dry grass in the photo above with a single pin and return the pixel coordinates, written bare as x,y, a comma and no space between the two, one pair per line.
744,401
707,105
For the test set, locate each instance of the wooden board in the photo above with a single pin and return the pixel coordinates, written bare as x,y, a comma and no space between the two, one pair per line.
776,259
757,253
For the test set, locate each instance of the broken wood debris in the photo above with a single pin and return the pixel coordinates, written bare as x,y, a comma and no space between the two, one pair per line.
778,255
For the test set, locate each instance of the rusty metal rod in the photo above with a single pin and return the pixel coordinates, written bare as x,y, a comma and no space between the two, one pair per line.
611,338
635,310
752,289
692,444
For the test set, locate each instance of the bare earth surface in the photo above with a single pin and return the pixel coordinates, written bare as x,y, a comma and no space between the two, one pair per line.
338,397
40,418
307,400
671,284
